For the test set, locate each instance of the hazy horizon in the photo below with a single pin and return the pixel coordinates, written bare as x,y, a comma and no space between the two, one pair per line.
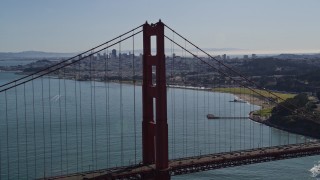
212,51
74,26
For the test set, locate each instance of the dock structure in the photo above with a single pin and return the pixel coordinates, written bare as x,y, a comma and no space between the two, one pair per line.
211,116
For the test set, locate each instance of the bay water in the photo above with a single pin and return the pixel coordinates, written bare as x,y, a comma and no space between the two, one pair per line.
58,126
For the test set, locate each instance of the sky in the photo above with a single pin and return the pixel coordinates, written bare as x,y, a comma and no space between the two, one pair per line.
77,25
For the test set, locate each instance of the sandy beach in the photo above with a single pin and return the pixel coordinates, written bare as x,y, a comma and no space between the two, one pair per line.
254,100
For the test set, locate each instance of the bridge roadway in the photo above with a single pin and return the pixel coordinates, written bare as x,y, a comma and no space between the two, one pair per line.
205,162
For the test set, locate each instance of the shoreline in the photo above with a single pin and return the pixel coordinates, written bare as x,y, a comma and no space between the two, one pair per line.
266,122
246,97
251,99
11,71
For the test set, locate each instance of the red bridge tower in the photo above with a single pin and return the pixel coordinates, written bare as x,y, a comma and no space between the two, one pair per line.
154,124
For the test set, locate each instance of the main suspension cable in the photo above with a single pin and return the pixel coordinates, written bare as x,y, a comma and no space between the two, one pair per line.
45,69
223,73
244,77
67,64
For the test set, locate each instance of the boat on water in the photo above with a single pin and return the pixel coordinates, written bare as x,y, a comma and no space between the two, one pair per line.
211,116
238,100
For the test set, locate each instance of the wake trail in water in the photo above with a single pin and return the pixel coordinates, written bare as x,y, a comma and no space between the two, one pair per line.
315,170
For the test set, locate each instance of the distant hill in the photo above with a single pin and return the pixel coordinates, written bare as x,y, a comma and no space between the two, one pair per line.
33,54
298,56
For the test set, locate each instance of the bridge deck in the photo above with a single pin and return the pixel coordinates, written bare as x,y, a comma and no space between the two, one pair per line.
205,162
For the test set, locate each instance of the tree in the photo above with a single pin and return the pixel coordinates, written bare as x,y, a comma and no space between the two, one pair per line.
288,106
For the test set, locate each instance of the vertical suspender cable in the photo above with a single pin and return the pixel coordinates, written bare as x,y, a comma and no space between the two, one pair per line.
262,136
270,137
224,113
219,106
234,122
253,124
197,108
66,119
43,130
76,78
26,128
60,119
80,111
34,132
244,121
214,110
50,124
204,121
174,107
208,124
253,127
91,113
186,102
183,109
256,101
7,131
173,103
121,107
288,138
250,122
134,102
18,142
230,115
1,151
194,121
108,117
171,93
242,113
95,114
240,121
106,110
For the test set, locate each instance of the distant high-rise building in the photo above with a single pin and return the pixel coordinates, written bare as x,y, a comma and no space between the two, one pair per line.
253,56
224,57
245,57
99,57
114,53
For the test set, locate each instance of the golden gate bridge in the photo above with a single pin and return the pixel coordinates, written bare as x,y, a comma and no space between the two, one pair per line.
78,119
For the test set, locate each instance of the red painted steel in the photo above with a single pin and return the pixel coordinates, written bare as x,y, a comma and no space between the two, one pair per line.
202,163
155,133
148,131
